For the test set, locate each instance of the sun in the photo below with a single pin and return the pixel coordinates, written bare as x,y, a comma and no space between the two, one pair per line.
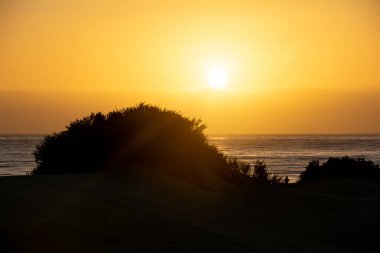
217,78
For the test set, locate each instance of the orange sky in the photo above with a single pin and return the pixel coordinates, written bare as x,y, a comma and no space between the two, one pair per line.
294,66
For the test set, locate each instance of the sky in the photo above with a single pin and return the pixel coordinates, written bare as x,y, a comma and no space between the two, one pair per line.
291,66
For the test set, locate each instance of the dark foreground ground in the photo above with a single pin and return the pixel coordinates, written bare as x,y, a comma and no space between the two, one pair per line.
156,213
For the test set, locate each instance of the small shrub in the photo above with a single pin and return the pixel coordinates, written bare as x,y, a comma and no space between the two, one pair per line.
276,179
237,171
235,164
260,171
340,167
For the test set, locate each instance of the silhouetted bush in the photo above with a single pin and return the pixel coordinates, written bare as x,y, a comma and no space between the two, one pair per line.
261,173
235,164
238,171
340,167
140,135
276,179
311,172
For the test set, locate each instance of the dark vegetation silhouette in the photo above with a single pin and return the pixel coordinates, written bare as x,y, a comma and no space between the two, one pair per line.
260,172
340,167
146,135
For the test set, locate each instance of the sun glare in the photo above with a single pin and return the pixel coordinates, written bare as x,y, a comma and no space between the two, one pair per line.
217,78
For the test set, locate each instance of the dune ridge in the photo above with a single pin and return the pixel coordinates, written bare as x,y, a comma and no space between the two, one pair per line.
153,212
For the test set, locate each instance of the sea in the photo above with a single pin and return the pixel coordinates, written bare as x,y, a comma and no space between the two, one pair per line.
286,155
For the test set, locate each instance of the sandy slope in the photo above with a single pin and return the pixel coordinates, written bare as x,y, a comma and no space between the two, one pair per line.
156,213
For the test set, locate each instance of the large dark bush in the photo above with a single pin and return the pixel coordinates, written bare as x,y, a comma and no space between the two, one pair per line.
140,135
340,167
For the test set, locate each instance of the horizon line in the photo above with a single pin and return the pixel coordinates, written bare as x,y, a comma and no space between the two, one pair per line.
366,133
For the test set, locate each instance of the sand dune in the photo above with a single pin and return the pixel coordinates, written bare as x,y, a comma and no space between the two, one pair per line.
157,213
